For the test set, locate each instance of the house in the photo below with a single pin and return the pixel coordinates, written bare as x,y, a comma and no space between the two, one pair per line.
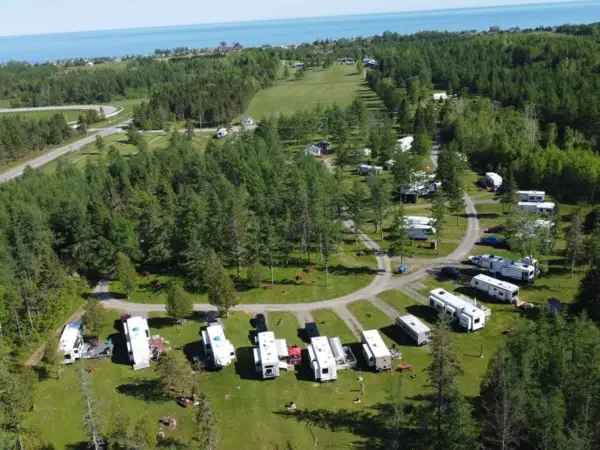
313,150
523,270
467,314
531,196
441,96
218,350
221,133
71,342
493,181
137,336
414,328
322,360
420,232
500,290
266,355
405,143
376,353
248,123
537,207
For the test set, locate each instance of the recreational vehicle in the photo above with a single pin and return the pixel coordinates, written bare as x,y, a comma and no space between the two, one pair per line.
376,353
137,336
532,196
71,342
414,328
313,150
537,207
266,355
468,315
405,144
221,133
500,290
322,360
367,169
524,270
420,232
440,96
493,180
344,358
219,351
418,220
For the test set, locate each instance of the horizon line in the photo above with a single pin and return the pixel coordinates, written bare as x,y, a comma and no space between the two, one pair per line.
274,19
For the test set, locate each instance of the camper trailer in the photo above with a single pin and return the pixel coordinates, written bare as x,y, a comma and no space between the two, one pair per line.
219,351
493,181
420,232
367,169
137,336
531,196
221,133
266,355
405,144
344,358
414,328
376,353
500,290
71,342
537,207
524,270
468,315
418,220
441,96
322,360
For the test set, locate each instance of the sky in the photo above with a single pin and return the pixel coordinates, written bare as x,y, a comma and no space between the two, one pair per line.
18,17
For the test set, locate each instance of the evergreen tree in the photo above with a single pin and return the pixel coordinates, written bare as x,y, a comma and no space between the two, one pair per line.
95,318
126,273
221,291
438,213
206,427
179,304
52,359
575,238
380,200
400,242
175,375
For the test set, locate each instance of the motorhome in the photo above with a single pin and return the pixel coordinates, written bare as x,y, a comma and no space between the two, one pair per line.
468,315
71,342
493,180
266,355
498,289
418,220
414,328
219,351
322,360
420,232
221,133
376,353
523,270
137,336
537,207
405,144
531,196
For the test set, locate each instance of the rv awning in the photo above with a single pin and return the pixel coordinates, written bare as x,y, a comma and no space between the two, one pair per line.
282,349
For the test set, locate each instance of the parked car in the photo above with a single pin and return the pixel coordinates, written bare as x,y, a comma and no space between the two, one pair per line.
493,241
450,272
260,323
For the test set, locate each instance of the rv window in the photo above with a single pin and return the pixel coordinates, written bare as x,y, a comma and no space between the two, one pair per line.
67,357
477,320
325,371
147,334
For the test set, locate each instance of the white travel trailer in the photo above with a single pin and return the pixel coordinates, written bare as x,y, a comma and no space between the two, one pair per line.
221,133
137,336
469,316
440,96
532,196
217,348
322,360
367,169
71,342
364,152
313,150
500,290
493,180
524,270
420,232
537,207
376,353
266,355
418,220
414,328
405,144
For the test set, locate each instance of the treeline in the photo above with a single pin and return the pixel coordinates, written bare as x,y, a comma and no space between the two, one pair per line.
214,94
245,201
20,135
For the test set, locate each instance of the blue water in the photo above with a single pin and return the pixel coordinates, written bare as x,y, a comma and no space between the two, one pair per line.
38,48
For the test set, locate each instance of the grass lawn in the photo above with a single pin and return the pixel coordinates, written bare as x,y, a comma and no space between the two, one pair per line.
369,316
285,326
337,84
348,273
70,115
331,325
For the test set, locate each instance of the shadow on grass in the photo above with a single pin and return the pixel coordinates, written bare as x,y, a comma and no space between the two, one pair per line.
120,354
161,322
77,446
193,350
244,364
147,390
423,312
395,334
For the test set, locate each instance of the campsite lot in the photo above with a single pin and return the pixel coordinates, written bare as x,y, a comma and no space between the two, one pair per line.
335,85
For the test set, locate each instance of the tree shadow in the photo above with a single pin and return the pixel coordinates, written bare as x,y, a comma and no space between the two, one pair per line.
244,364
147,390
76,446
160,322
120,354
193,350
423,312
397,335
343,270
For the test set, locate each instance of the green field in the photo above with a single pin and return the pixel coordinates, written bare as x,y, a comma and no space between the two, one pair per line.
71,115
336,85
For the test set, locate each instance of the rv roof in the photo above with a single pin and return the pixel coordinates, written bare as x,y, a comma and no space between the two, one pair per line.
267,348
414,323
374,341
322,350
139,338
498,283
69,335
456,302
532,192
540,205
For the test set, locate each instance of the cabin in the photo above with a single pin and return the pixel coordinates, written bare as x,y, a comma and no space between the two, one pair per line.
221,133
137,336
493,181
218,350
414,328
532,196
537,207
376,353
405,144
71,342
266,355
497,289
322,360
467,314
419,232
523,270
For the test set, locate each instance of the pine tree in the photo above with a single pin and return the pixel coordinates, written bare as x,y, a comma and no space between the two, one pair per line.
221,291
438,213
52,359
179,304
126,273
206,428
575,241
95,318
400,242
176,378
509,190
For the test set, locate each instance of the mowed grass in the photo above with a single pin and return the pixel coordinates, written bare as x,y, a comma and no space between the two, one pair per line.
337,84
285,326
331,325
369,316
69,115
